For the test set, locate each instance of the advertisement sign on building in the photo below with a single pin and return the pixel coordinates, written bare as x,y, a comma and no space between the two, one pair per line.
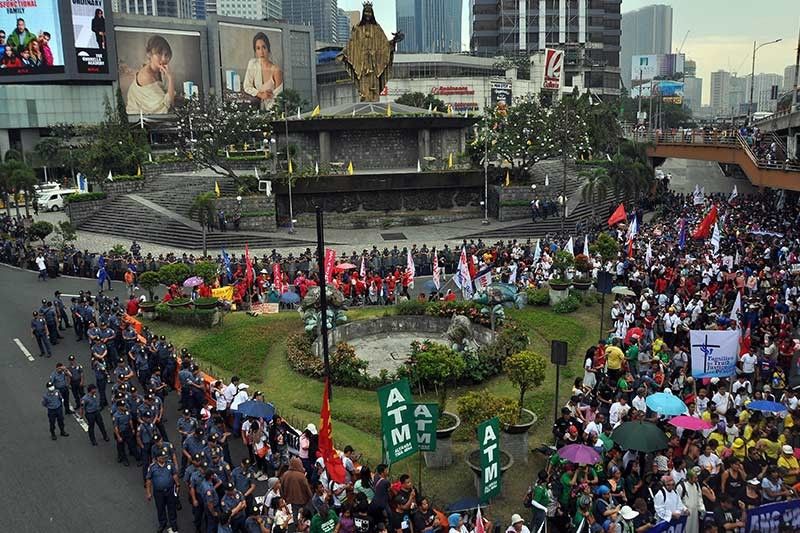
31,31
252,63
500,92
397,421
91,43
661,68
553,66
157,68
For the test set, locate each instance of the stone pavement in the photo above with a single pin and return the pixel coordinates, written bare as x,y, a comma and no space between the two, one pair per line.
685,173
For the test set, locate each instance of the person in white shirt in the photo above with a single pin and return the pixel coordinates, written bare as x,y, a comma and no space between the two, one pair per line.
667,503
701,402
639,401
722,400
618,411
595,426
709,461
743,385
231,390
40,264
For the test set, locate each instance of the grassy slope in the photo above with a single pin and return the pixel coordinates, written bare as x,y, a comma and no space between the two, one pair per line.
239,347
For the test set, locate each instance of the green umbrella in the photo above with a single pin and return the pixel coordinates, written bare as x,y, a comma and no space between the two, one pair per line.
606,440
640,436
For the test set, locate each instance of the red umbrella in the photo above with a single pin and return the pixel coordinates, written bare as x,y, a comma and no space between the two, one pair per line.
690,422
345,266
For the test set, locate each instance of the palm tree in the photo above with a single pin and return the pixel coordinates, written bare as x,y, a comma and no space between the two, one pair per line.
24,180
202,210
595,187
6,186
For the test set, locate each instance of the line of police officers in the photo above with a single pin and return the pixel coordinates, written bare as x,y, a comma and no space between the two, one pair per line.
221,496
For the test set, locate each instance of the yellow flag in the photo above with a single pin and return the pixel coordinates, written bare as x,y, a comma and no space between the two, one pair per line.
291,169
450,160
316,111
216,188
508,178
449,109
223,293
138,170
245,147
350,168
389,110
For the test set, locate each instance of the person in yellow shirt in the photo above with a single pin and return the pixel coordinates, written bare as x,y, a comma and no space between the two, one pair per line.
614,359
770,445
738,448
788,461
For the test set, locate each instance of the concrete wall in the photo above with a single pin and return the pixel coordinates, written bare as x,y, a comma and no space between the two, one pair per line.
498,196
115,188
79,212
411,323
258,212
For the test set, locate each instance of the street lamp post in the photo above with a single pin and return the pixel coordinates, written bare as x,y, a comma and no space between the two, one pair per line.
753,77
485,202
288,164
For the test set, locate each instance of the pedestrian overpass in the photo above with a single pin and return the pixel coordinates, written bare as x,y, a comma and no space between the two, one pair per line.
729,148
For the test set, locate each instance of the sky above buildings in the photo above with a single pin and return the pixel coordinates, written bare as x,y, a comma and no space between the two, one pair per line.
721,32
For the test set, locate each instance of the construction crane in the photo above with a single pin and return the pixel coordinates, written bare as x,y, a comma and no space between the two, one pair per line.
683,42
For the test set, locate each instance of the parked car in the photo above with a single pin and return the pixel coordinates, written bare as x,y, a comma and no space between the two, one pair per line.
54,200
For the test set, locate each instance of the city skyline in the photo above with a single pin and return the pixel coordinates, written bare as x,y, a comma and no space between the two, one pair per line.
720,38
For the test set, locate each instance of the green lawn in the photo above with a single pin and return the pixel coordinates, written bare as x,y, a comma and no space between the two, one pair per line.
255,349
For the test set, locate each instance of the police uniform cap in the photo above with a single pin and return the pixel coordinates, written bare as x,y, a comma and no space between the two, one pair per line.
148,396
204,464
44,300
229,486
197,457
156,436
186,411
215,455
147,414
49,384
36,313
71,358
246,461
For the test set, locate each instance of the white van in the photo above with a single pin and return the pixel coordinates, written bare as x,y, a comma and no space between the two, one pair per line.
54,200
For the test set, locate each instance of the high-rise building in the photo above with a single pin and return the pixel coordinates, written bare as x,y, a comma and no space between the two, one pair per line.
250,9
720,92
762,91
644,31
343,26
182,9
321,14
690,68
588,31
693,87
788,78
431,26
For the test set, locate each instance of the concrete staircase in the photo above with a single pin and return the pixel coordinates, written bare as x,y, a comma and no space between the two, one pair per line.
159,214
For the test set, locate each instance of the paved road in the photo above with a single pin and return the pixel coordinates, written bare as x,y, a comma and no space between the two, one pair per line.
67,485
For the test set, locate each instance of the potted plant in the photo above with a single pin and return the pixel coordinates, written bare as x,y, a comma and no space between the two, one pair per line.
473,460
583,266
562,261
180,302
438,365
148,281
206,303
526,370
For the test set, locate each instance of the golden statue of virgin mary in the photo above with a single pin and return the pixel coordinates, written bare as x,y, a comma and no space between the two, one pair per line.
368,55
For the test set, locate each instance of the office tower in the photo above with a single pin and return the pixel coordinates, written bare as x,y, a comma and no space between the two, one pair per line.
250,9
588,31
322,14
157,8
429,26
720,92
644,31
788,78
343,26
762,91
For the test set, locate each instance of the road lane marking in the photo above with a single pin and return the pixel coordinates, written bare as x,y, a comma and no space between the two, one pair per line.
24,350
81,422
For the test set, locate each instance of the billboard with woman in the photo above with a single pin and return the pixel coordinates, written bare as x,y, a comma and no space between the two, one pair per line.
157,68
252,63
30,38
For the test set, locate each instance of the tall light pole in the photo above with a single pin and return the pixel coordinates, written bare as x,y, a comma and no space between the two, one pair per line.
753,77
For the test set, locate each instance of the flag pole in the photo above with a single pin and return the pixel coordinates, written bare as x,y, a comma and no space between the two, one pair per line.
323,302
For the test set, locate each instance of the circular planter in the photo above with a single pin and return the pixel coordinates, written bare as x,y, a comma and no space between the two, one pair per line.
582,285
558,285
148,310
515,437
180,303
473,460
200,304
557,295
442,457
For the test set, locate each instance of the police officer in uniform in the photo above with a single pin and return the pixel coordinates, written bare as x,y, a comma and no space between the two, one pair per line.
194,478
76,308
210,501
40,332
54,402
162,485
61,311
123,433
234,504
100,379
76,382
258,520
144,439
60,379
52,322
245,481
90,411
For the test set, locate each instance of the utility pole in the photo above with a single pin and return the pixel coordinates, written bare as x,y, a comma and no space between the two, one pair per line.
753,78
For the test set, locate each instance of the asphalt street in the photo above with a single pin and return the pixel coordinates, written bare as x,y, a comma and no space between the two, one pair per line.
63,485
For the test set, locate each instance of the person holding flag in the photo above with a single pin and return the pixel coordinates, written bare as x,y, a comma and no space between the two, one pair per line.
463,279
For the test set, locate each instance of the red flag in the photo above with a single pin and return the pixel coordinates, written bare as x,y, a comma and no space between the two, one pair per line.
330,263
618,215
704,229
248,274
744,343
277,281
479,525
333,463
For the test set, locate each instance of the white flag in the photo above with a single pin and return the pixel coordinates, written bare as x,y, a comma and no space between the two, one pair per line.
734,193
714,353
546,180
512,273
363,270
141,119
483,278
586,245
436,272
411,269
737,308
316,167
463,278
697,195
255,171
715,238
648,255
537,252
110,177
430,108
298,112
570,246
419,166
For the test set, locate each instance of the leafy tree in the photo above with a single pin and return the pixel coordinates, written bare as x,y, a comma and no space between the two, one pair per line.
202,210
289,101
206,270
595,187
13,155
562,260
48,152
207,125
606,245
174,273
441,366
23,179
65,234
526,370
41,230
629,178
148,281
423,101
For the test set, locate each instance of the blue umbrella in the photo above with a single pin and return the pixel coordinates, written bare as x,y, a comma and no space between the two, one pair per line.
666,404
766,405
257,409
429,286
290,298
